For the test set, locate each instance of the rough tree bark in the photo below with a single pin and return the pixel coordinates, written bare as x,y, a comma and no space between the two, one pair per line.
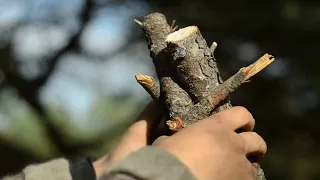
190,85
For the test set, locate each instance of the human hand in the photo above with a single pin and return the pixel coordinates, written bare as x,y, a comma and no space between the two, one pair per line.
212,149
136,137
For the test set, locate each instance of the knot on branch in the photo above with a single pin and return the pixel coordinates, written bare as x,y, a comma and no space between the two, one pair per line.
175,124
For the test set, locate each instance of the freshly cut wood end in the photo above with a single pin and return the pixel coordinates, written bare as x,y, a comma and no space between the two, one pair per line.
257,66
145,79
182,34
213,47
214,44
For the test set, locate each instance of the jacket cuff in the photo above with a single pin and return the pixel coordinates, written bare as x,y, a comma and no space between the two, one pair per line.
151,163
51,170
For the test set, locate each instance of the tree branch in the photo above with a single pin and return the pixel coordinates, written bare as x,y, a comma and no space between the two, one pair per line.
148,83
190,85
156,30
234,82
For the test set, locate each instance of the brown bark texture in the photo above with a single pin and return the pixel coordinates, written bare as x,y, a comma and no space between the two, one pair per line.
190,86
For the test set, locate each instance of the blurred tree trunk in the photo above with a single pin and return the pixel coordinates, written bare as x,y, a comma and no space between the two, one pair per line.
29,89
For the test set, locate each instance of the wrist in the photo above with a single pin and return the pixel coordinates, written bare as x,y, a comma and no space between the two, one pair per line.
83,169
100,165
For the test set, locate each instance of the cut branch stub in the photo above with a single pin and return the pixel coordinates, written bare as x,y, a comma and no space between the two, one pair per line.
148,83
194,65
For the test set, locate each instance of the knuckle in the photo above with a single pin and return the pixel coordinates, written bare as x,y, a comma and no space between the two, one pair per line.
160,140
261,142
242,111
214,122
215,132
219,120
215,118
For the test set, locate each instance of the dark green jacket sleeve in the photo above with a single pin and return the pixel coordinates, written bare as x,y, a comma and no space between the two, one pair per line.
82,169
51,170
149,163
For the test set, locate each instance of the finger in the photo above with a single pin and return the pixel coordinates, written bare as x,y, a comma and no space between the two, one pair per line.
150,113
137,135
159,140
236,118
254,144
149,116
140,130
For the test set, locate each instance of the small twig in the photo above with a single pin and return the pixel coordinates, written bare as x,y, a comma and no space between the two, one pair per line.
173,27
193,71
173,22
138,22
213,47
257,66
148,83
242,76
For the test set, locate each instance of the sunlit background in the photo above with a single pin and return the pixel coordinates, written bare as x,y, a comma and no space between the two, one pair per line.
67,67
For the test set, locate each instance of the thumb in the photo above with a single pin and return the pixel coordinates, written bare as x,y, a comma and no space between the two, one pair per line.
147,121
159,140
137,135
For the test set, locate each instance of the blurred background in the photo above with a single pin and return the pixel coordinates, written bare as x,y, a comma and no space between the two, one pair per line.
67,67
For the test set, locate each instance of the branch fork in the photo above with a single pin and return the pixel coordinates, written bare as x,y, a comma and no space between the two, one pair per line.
190,87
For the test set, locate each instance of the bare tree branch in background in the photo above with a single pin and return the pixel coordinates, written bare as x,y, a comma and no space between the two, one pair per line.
29,89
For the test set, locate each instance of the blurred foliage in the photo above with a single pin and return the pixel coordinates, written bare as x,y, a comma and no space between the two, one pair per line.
89,93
